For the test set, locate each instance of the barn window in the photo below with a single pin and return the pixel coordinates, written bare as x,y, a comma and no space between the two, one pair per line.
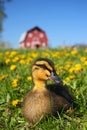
30,35
28,44
41,35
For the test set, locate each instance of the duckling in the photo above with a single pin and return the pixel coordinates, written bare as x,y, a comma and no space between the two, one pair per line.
45,99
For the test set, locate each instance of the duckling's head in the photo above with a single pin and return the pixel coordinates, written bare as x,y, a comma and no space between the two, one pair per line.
43,70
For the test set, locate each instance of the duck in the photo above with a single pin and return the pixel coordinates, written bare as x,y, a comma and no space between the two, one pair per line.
45,99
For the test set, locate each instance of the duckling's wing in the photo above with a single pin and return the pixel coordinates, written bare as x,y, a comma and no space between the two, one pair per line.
62,91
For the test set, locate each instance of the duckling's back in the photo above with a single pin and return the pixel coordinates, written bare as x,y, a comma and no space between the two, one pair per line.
36,105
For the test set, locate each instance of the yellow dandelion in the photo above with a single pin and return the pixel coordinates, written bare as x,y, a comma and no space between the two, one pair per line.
13,67
22,61
29,59
15,83
56,54
67,54
15,59
3,77
72,69
29,78
62,67
83,59
7,61
67,67
13,53
71,77
74,52
67,79
7,52
69,63
45,54
85,63
22,56
78,67
34,54
15,102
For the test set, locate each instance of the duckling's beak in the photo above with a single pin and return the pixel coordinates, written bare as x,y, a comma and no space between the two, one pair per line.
55,78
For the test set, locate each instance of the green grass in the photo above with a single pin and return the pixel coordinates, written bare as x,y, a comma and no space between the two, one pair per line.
11,117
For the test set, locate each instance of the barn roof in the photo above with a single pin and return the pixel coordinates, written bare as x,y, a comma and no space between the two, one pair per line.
22,37
25,33
36,28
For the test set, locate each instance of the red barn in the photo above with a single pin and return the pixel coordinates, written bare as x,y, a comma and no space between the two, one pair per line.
34,38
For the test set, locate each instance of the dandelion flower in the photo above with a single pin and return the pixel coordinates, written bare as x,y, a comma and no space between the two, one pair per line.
83,59
72,69
85,63
72,77
69,78
29,78
7,61
78,67
7,53
74,52
22,61
15,59
3,77
15,83
15,102
13,67
13,53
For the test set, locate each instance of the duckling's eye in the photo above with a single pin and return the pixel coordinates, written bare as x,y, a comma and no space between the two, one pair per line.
36,68
47,75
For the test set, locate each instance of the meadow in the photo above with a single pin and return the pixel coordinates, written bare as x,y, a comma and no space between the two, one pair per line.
16,81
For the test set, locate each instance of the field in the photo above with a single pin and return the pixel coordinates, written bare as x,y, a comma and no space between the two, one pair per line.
16,81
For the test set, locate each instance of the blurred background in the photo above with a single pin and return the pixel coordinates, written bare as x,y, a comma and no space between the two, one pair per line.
63,21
